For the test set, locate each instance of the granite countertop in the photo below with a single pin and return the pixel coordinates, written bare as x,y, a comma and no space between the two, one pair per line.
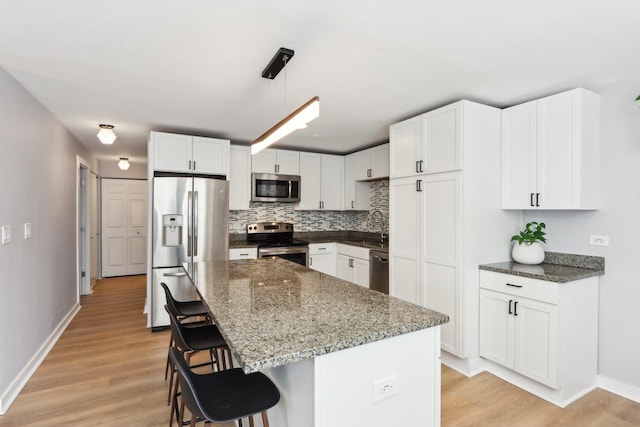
354,238
238,244
272,312
557,267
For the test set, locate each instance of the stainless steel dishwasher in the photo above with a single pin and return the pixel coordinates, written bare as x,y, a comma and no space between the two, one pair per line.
379,271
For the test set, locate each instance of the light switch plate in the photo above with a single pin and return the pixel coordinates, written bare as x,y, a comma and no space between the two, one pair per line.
6,234
27,230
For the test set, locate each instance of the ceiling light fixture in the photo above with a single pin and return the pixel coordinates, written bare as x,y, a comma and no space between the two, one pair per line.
280,59
296,120
106,135
124,163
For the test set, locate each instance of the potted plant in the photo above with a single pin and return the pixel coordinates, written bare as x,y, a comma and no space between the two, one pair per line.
527,248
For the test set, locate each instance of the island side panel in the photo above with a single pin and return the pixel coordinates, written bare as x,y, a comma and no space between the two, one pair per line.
296,384
346,381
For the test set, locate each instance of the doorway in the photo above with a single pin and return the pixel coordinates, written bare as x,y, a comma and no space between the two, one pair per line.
83,212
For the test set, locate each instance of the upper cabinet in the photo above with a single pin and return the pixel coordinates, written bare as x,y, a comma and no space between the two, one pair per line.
550,150
429,143
357,194
372,163
190,154
239,177
276,161
321,181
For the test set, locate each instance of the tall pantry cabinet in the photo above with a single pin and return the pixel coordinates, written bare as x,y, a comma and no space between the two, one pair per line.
445,216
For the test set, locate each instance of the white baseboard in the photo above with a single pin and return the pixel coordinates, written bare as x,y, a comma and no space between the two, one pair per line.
618,387
11,393
468,367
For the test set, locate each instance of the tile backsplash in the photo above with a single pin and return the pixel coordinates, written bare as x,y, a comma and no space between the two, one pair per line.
317,220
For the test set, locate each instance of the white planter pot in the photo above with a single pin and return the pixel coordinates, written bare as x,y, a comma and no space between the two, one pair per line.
528,253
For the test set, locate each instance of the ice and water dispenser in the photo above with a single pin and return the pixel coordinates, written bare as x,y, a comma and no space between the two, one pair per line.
172,230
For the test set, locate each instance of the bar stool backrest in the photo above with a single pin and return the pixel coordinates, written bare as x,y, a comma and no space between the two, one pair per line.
187,380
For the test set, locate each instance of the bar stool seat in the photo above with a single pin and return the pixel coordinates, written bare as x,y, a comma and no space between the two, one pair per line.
225,395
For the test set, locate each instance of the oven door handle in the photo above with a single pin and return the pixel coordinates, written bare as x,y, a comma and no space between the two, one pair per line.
262,252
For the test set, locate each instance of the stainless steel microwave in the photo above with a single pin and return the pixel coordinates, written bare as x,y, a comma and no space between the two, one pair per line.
268,187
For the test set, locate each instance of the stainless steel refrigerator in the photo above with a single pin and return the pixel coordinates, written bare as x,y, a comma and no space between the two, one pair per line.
190,224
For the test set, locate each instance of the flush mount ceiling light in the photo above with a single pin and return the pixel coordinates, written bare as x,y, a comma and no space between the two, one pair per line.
296,120
124,163
106,135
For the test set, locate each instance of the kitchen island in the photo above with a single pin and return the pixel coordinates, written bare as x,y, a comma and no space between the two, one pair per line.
341,355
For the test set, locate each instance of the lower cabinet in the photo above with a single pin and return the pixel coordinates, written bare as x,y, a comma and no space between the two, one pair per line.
541,331
353,264
322,258
243,253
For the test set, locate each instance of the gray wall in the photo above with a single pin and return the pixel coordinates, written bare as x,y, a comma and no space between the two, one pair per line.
619,346
37,185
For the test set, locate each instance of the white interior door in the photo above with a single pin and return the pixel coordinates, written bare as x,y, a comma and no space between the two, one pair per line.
93,230
124,227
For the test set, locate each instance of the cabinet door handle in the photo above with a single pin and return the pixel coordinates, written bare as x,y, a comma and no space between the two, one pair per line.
418,185
368,173
310,260
189,165
515,308
421,162
350,262
537,199
417,166
322,249
510,302
531,199
352,207
513,286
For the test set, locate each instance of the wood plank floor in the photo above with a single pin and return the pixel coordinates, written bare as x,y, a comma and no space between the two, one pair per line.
107,369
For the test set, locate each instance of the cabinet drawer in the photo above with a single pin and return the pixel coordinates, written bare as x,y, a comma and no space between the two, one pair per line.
353,251
535,289
322,248
243,253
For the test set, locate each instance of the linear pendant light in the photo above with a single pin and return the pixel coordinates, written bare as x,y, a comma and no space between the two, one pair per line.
296,120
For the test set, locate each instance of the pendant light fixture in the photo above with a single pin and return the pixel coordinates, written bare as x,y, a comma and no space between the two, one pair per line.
106,135
296,120
124,163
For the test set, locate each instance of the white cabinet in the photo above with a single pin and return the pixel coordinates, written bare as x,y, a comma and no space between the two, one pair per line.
550,153
357,194
191,154
429,143
442,224
239,177
353,264
541,331
276,161
372,163
243,253
323,258
321,182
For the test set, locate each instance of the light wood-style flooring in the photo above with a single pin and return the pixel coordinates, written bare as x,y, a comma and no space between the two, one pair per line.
107,369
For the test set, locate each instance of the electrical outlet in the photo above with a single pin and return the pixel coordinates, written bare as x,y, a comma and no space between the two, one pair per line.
598,240
385,388
27,230
6,234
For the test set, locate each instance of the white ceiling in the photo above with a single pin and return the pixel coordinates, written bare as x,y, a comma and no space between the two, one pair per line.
194,66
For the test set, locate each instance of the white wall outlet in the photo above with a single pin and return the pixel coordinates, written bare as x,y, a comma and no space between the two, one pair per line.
598,240
27,230
385,388
6,234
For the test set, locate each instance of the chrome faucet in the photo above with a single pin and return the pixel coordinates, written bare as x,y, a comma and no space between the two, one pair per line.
382,236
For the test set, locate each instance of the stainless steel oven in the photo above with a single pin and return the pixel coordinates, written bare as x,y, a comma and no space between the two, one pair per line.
276,239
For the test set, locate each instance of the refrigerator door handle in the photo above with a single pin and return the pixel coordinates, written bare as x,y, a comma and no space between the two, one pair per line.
195,223
182,274
189,219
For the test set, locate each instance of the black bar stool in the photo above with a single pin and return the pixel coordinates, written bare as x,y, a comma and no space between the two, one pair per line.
184,310
222,396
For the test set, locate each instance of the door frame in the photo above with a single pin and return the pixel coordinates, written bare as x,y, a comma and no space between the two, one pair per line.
83,245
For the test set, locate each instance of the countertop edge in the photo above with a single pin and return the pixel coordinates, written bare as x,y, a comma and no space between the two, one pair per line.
583,274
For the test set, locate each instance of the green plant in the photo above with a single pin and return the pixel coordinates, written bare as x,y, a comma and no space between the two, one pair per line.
638,98
532,232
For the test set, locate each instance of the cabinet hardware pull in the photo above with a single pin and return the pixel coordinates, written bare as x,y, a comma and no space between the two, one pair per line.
244,254
419,185
352,207
319,205
310,261
189,165
368,173
537,199
421,162
531,199
181,274
417,166
350,262
515,308
514,286
510,302
322,249
194,165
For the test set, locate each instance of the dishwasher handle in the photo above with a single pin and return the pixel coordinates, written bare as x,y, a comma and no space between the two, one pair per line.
380,259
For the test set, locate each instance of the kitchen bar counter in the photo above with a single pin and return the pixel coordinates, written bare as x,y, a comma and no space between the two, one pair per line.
273,312
340,354
354,238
